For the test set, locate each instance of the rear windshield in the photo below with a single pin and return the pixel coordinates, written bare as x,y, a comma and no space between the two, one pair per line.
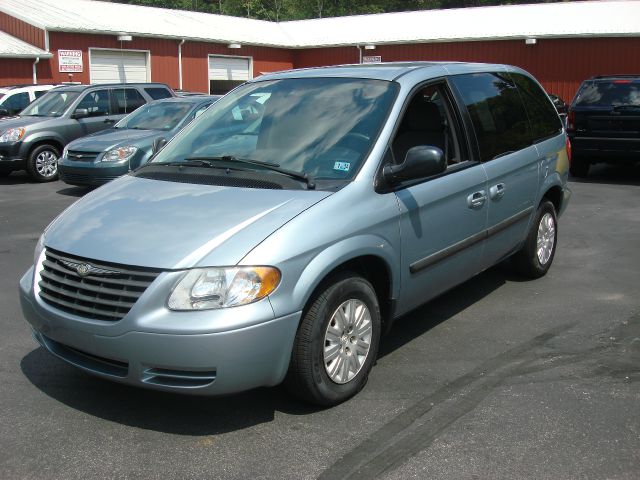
608,93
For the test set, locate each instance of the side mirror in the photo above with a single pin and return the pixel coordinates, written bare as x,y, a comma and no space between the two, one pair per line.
420,162
158,144
80,113
4,112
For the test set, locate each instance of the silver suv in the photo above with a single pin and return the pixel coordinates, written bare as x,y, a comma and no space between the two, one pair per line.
279,234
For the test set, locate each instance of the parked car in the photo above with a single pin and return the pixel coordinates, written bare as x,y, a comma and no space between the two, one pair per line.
103,156
603,123
277,242
33,141
15,98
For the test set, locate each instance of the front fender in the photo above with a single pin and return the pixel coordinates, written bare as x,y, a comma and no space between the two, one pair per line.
297,289
31,139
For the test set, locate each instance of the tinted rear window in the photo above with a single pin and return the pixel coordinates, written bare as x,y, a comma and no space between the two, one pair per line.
542,114
158,92
497,113
128,99
608,93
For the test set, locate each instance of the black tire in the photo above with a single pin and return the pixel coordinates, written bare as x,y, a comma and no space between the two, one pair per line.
579,167
35,169
307,377
526,260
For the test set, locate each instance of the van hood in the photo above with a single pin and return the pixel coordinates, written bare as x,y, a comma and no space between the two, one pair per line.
114,137
158,224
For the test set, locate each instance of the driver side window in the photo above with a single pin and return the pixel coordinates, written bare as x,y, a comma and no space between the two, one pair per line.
428,120
97,103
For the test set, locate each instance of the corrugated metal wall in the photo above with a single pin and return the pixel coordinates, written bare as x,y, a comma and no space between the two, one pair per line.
164,59
164,54
22,30
559,64
195,61
15,71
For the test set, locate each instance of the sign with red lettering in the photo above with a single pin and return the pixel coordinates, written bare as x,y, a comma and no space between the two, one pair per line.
70,61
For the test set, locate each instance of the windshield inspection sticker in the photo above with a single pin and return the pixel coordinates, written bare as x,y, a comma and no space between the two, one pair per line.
342,166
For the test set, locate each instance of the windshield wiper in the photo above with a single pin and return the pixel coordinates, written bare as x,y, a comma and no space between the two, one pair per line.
275,167
188,162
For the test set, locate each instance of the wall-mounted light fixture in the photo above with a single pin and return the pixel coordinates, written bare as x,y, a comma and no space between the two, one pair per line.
369,47
530,41
234,45
123,37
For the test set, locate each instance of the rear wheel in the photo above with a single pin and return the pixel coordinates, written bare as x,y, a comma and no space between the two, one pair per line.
337,342
42,164
535,257
579,167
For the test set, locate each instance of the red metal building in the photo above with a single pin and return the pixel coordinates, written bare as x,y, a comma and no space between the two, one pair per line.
203,52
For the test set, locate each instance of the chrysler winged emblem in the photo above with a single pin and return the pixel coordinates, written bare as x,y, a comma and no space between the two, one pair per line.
84,269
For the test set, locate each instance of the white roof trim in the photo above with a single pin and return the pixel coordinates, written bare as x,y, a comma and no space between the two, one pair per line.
11,47
618,18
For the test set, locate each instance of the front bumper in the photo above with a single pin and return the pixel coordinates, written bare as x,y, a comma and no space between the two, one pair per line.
90,173
10,157
220,361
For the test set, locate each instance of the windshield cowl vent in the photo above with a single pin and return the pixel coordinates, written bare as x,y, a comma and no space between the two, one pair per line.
208,179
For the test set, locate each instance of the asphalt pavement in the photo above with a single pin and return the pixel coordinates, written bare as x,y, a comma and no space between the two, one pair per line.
498,378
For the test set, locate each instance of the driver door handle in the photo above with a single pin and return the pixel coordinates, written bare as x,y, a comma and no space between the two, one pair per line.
477,199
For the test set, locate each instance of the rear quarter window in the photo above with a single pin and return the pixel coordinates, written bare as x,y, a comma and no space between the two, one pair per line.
158,92
542,114
498,116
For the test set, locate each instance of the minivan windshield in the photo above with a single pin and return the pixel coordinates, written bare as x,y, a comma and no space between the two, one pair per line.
322,127
609,93
156,116
51,104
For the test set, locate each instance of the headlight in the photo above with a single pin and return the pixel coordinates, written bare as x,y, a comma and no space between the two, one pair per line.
65,152
119,154
208,288
12,135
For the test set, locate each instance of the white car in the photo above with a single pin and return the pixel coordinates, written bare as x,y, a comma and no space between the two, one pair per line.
15,98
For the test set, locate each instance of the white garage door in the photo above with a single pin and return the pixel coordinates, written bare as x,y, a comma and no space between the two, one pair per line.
119,66
226,73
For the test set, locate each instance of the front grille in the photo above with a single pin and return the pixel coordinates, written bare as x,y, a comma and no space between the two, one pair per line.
79,156
76,179
106,292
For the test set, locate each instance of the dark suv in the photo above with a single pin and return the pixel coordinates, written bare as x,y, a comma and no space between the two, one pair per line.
33,141
603,124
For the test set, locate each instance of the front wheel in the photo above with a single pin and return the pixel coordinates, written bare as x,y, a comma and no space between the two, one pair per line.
534,259
42,164
337,342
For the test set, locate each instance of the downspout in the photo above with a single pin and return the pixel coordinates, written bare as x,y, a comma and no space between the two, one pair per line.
359,53
180,63
35,71
46,40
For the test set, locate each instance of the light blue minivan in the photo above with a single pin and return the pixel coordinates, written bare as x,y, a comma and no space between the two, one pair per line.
279,235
